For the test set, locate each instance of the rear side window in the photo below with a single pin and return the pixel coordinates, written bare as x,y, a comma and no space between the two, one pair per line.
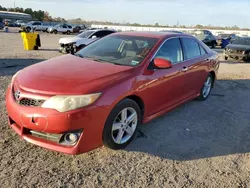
191,48
202,50
171,50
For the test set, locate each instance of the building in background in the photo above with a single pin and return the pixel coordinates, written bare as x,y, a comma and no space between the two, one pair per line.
13,16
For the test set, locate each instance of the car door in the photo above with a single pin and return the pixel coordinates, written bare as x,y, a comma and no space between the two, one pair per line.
165,87
195,57
64,28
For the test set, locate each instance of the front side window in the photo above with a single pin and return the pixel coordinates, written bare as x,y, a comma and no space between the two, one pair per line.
171,50
202,51
36,23
191,48
118,49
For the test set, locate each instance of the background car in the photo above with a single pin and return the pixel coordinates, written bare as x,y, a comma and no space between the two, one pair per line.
19,23
74,44
76,29
238,49
205,36
61,28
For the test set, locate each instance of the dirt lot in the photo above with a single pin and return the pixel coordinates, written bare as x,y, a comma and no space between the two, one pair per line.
200,144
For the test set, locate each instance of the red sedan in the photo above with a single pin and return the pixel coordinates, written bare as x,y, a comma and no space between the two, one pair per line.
100,95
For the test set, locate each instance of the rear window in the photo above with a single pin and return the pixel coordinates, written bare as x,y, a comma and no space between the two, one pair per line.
191,48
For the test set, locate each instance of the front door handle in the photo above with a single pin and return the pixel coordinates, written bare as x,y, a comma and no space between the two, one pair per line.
184,69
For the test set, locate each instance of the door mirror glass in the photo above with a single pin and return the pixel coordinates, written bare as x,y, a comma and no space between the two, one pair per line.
162,63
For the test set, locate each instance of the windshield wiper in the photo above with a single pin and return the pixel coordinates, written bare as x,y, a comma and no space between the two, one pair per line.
78,55
93,58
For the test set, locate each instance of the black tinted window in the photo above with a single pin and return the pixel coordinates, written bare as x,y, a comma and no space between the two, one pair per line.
100,34
171,50
191,48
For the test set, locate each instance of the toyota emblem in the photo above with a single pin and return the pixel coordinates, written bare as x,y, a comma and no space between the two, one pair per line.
17,95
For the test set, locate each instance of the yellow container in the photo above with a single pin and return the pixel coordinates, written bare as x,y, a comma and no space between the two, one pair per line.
29,40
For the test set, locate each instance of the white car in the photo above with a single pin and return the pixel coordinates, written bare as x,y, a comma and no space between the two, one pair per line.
74,44
61,28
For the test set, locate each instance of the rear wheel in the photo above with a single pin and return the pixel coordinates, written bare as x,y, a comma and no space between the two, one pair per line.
206,88
28,29
121,125
55,31
213,45
68,32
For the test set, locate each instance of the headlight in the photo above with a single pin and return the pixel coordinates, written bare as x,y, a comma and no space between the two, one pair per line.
64,103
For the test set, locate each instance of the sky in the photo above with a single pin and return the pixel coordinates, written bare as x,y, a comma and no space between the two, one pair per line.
165,12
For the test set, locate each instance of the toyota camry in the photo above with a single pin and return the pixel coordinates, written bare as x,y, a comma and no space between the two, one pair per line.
100,95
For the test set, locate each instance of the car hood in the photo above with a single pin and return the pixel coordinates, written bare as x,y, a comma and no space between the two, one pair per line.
77,40
69,75
238,47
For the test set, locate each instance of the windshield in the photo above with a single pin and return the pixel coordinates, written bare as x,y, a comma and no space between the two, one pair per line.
200,36
119,49
242,41
224,35
85,34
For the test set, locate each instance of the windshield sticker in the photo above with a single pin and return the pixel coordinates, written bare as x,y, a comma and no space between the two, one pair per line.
133,62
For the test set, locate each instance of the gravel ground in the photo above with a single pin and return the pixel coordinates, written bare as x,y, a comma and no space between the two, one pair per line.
200,144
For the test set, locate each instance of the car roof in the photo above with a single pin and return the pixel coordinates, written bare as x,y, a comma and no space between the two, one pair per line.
152,34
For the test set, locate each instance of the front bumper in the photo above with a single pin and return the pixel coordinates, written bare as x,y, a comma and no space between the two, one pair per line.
68,48
22,119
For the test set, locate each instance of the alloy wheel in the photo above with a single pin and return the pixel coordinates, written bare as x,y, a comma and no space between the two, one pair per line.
124,125
207,87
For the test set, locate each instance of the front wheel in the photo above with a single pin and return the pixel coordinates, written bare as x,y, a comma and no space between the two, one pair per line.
28,29
206,88
55,31
68,32
121,125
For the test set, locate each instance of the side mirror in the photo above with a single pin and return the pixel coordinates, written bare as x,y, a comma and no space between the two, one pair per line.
162,63
93,37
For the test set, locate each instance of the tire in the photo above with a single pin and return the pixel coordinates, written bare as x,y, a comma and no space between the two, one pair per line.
28,29
205,92
226,58
213,46
68,32
111,134
55,31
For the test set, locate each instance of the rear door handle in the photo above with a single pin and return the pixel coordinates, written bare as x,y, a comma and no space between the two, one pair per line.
184,69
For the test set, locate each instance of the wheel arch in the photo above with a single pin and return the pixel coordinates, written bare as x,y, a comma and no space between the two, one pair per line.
140,103
214,77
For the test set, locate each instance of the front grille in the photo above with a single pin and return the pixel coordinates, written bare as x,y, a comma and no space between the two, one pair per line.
30,102
27,101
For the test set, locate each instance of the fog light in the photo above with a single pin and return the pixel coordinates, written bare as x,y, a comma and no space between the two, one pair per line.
70,138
